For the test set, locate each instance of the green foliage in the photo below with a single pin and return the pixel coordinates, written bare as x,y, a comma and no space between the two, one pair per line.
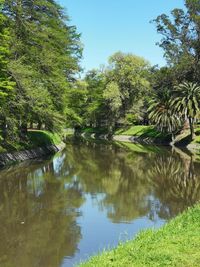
186,99
39,58
130,73
132,119
76,104
162,115
6,84
115,89
168,246
96,111
180,40
186,102
112,95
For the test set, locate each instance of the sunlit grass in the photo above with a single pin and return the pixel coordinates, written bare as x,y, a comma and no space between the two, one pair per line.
42,138
175,244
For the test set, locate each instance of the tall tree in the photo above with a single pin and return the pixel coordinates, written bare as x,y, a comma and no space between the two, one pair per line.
96,112
44,57
181,39
6,83
130,73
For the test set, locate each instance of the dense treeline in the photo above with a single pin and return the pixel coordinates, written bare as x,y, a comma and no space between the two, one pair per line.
108,95
39,58
130,91
39,63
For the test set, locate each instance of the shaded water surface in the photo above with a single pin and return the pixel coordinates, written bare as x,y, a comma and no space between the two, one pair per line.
56,212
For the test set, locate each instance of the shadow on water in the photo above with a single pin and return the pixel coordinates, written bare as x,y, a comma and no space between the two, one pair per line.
41,201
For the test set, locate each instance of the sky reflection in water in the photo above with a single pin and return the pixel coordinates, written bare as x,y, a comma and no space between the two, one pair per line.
59,211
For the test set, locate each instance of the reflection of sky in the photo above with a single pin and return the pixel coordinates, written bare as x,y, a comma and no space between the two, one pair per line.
58,163
105,216
35,182
98,232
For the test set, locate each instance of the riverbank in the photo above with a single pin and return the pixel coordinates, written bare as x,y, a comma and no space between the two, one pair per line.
175,244
37,144
135,134
146,135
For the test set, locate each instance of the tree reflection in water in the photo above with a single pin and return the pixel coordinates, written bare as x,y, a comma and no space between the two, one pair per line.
37,216
136,184
176,183
40,202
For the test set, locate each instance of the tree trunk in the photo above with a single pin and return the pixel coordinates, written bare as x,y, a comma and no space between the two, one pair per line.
191,123
173,139
39,126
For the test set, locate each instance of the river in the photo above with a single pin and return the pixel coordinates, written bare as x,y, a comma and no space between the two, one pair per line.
57,211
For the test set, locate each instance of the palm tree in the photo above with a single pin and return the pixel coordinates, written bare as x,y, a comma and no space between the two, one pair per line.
186,102
160,113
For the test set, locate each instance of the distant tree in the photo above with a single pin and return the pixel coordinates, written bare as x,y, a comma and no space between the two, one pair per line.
77,105
130,74
112,96
96,111
181,35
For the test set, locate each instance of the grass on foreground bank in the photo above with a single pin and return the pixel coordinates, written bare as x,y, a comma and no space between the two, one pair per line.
175,244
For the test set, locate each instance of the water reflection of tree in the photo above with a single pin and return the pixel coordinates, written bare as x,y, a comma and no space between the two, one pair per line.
176,183
37,216
134,184
117,175
46,197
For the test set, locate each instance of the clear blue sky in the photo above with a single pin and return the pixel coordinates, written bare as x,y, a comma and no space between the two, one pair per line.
108,26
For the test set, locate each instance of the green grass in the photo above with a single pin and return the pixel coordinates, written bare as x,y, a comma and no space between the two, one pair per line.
139,148
42,138
136,130
177,244
143,131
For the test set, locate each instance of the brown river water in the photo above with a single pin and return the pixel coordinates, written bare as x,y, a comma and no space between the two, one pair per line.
58,211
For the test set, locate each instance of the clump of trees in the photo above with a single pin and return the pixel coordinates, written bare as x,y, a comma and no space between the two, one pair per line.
112,93
39,62
39,58
180,79
129,90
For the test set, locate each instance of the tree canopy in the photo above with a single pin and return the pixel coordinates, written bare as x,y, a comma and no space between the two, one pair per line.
39,58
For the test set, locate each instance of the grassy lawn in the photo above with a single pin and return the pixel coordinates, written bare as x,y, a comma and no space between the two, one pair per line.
139,148
143,132
136,130
175,244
